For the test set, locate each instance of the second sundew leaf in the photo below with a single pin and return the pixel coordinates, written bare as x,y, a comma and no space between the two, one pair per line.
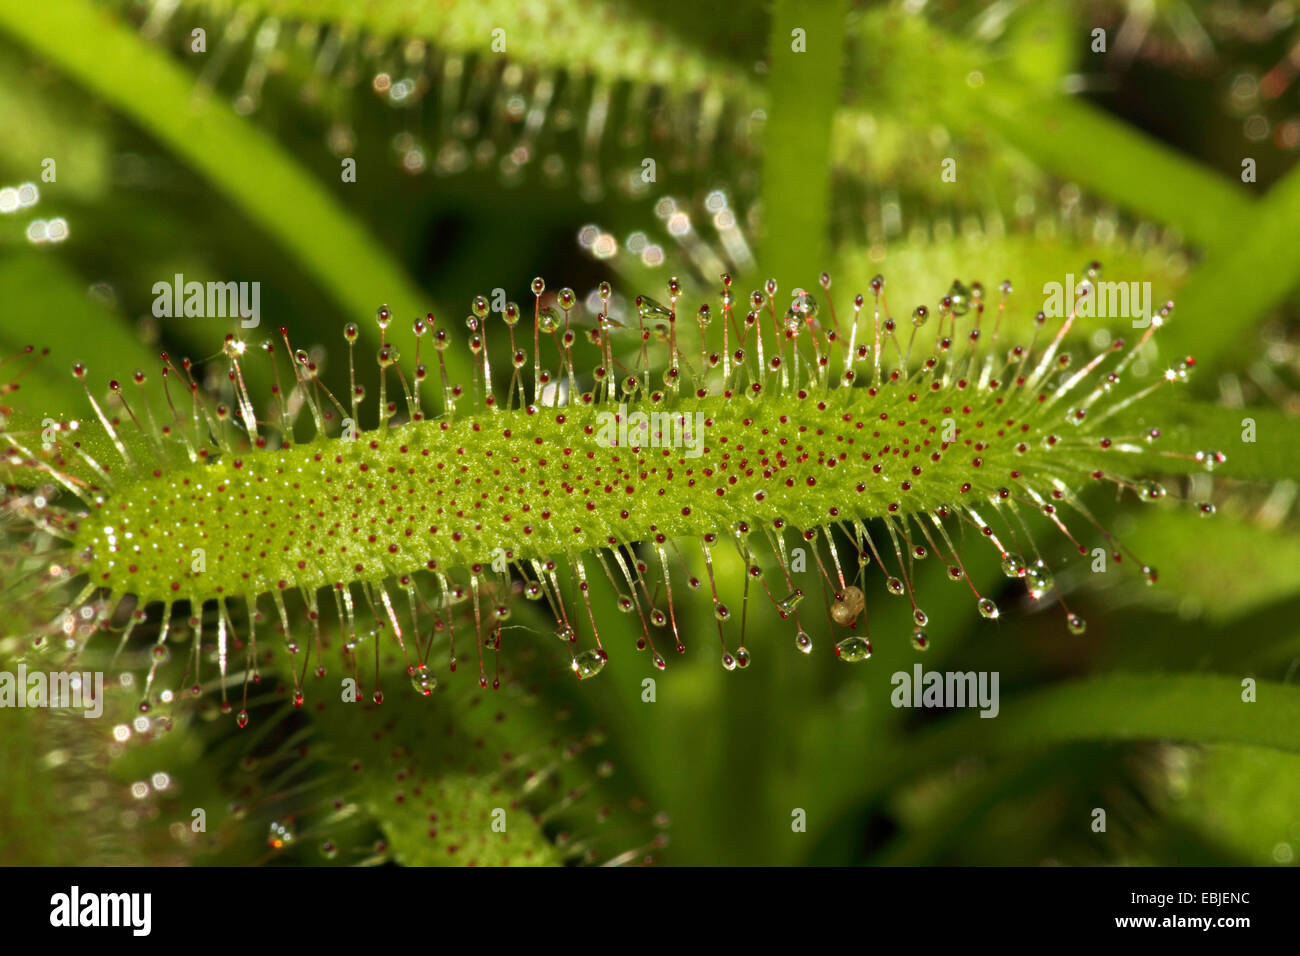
1062,134
450,782
610,40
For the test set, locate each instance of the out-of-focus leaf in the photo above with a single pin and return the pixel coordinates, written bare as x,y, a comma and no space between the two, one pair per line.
272,189
57,314
1219,567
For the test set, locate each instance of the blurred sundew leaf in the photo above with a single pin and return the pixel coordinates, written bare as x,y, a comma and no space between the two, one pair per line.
1251,263
609,40
1064,134
767,761
56,313
273,190
1247,798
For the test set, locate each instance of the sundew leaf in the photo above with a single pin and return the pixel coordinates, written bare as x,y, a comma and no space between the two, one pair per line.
1250,262
1062,133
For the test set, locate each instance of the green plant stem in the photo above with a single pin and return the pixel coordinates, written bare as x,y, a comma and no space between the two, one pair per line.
804,93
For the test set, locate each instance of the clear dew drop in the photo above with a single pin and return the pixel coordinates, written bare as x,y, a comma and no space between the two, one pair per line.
1039,580
960,297
1205,509
728,662
564,632
803,642
1013,565
423,680
1209,460
589,663
920,640
920,617
625,604
988,609
895,586
791,601
1076,624
533,591
1151,491
649,308
853,649
742,657
548,319
806,306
